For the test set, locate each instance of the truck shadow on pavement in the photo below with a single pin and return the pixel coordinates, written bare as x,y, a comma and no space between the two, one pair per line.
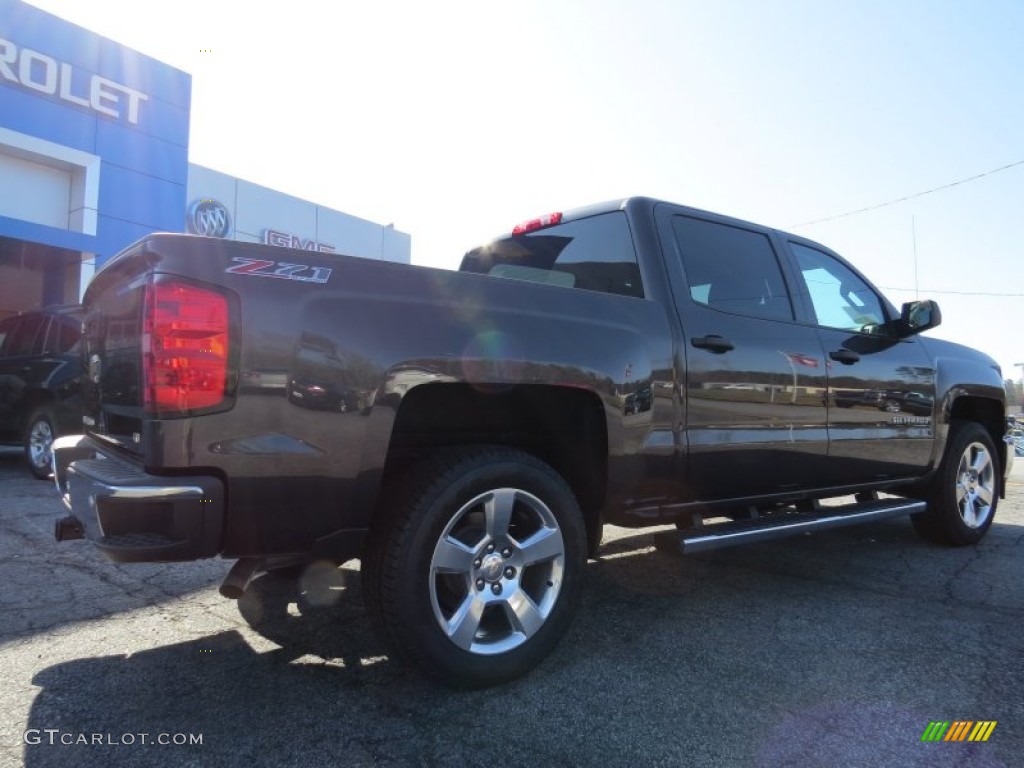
305,697
318,611
313,686
759,645
321,692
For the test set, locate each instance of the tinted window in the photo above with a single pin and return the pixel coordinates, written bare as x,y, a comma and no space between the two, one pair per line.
731,269
840,298
27,338
595,254
65,333
6,330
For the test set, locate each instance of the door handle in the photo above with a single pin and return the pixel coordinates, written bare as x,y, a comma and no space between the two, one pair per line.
712,343
844,356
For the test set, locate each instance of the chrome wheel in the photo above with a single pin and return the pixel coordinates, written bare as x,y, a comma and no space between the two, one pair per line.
496,571
964,491
475,567
975,485
40,444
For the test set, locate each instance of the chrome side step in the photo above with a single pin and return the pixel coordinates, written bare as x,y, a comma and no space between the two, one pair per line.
733,534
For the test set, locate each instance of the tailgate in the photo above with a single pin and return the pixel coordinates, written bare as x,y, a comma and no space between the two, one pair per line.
112,390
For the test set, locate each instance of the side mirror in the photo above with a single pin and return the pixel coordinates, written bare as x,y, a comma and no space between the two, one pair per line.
919,316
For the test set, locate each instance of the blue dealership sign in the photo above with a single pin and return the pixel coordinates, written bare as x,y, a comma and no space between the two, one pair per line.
66,87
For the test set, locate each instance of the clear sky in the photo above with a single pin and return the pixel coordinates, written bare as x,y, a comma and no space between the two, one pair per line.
455,120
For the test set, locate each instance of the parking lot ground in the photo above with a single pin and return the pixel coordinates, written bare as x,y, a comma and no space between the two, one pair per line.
832,649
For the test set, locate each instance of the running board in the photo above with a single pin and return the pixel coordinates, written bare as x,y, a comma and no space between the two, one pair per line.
733,534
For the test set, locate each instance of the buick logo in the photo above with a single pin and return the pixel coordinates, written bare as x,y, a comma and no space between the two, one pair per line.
209,218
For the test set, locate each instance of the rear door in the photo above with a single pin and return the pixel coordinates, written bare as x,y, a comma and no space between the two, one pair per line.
881,388
755,418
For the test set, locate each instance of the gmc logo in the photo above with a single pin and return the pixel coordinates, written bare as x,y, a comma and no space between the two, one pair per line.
285,240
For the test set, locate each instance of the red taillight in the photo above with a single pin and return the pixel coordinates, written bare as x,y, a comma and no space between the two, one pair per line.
184,347
539,223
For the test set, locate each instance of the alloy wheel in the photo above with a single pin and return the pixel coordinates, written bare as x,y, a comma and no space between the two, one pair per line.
496,571
975,485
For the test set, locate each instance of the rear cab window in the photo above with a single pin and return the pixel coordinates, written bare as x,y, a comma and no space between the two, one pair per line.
594,253
27,338
730,269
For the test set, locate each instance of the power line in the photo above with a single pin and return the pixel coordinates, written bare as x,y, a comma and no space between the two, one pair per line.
908,197
957,293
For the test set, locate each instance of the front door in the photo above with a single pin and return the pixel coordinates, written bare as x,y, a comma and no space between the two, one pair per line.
881,388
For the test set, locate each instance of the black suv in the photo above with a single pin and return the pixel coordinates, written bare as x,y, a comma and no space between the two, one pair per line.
40,368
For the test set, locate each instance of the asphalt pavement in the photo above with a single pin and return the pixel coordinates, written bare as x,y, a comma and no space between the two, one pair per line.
831,649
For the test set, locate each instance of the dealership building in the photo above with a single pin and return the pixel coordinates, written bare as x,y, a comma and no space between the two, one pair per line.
94,155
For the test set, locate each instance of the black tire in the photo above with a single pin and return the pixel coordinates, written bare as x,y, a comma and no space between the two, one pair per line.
964,493
39,436
432,547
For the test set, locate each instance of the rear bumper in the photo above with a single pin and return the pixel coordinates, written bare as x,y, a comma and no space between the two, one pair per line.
133,516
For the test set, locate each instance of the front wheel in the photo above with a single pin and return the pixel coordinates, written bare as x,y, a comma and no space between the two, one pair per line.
965,490
474,574
39,435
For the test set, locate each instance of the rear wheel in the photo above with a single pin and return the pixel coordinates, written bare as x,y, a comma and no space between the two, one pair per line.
964,493
39,436
475,572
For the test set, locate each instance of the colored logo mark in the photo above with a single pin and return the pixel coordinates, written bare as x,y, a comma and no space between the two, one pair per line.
959,730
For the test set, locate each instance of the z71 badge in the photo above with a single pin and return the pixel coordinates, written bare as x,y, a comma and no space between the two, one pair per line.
279,270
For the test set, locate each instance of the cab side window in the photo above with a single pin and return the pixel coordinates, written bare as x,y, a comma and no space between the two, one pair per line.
65,334
27,337
731,269
7,327
839,298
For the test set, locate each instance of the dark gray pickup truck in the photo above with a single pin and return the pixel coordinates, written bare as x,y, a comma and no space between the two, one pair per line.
467,434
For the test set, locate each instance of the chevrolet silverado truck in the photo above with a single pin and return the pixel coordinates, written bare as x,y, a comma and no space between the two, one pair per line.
466,434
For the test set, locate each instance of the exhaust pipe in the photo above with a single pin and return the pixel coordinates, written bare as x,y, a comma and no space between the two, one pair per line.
238,578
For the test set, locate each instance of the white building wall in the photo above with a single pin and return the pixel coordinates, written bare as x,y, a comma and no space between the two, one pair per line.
360,237
34,192
258,208
48,183
397,245
253,209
